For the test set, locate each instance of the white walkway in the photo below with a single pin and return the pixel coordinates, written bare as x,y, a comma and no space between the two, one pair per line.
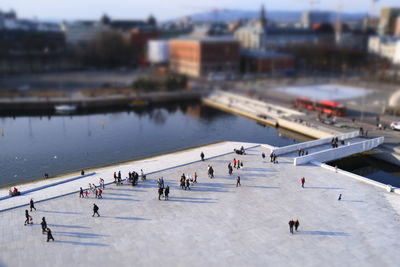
215,224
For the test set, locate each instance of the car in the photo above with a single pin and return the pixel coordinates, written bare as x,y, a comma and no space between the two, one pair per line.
395,125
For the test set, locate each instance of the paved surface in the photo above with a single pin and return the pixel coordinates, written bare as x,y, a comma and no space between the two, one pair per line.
153,164
215,224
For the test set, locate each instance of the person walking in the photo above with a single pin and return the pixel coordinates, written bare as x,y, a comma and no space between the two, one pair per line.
100,192
95,210
166,192
230,169
238,181
27,221
96,192
340,197
202,156
187,184
263,155
234,162
81,193
303,181
31,205
49,235
195,177
296,224
238,164
44,225
291,223
210,171
160,192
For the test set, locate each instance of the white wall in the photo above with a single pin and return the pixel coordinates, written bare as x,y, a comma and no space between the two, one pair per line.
340,152
318,142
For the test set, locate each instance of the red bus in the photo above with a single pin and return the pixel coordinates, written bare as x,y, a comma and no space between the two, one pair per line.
331,107
328,107
304,102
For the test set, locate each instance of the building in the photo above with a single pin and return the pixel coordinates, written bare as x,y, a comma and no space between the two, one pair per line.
158,51
388,20
397,27
309,18
261,36
256,61
80,32
385,46
139,37
204,56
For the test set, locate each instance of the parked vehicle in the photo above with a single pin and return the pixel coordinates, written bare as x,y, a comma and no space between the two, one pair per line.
395,125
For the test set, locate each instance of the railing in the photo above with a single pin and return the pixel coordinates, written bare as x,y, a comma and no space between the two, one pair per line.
340,152
318,142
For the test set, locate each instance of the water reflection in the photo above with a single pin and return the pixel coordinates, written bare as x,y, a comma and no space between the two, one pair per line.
88,140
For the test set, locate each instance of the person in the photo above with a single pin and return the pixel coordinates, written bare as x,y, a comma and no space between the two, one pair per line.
100,192
28,218
115,177
296,224
49,235
291,223
187,184
82,172
230,169
303,180
95,210
86,193
160,192
340,197
271,156
195,177
234,162
263,155
202,156
166,192
210,171
238,164
183,181
32,206
81,193
142,175
96,192
238,181
44,225
242,150
46,175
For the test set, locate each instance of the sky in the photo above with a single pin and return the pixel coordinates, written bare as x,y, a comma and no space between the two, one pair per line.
169,9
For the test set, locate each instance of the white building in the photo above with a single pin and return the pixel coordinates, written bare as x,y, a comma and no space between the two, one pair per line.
385,46
158,51
82,31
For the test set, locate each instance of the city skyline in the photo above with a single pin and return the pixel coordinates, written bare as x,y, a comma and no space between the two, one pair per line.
123,9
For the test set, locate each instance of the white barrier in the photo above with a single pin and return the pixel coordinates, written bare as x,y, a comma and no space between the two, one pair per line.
318,142
340,152
352,175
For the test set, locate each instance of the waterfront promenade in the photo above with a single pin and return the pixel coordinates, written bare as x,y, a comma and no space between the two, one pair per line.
215,223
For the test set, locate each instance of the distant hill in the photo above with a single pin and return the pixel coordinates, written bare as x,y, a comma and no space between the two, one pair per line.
227,15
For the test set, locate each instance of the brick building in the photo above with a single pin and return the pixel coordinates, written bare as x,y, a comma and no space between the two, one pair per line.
204,56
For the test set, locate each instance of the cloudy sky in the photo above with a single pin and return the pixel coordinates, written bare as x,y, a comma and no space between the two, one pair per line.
166,9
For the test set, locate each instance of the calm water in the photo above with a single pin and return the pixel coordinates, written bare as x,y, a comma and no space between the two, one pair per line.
370,167
32,146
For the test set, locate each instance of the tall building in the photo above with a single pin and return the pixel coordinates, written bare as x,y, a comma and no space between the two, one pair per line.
81,32
204,56
310,18
387,22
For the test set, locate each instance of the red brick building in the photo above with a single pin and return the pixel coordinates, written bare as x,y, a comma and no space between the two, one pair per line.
203,56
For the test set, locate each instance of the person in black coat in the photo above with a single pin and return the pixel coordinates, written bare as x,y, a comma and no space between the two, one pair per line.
49,235
166,192
81,193
27,217
160,193
44,225
95,210
31,205
202,156
291,223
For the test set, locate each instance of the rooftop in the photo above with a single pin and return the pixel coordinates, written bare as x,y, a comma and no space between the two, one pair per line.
215,223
